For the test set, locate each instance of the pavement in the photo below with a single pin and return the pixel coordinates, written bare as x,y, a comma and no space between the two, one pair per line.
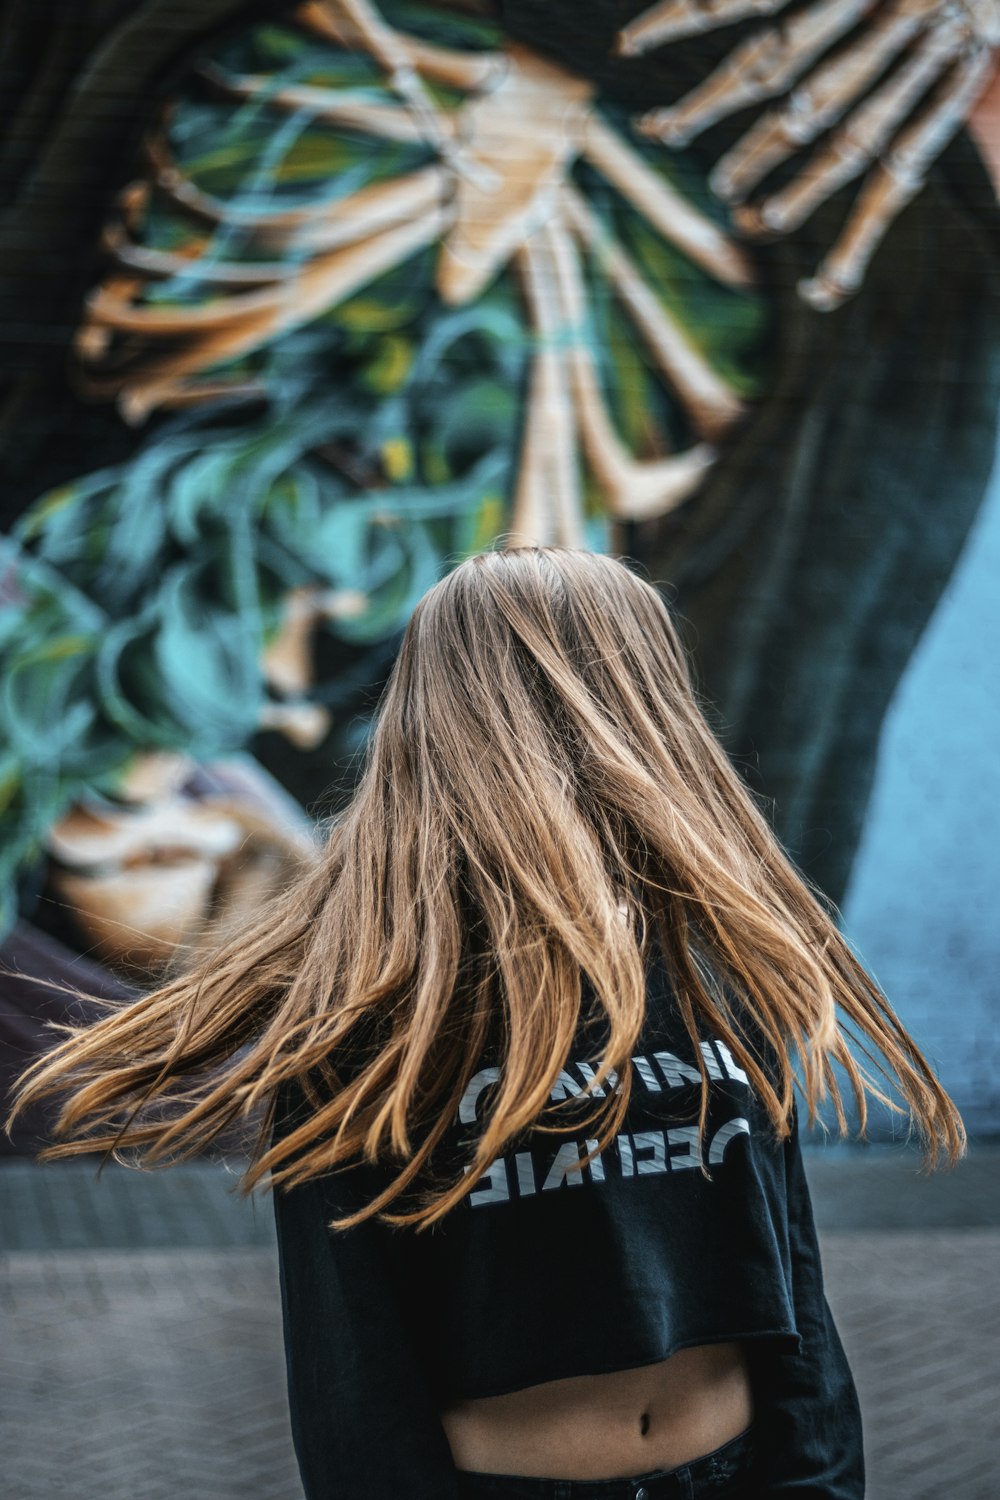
140,1337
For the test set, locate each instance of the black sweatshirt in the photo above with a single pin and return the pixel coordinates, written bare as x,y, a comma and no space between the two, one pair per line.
543,1272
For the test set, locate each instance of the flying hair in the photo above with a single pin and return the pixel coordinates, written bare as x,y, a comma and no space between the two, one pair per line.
541,800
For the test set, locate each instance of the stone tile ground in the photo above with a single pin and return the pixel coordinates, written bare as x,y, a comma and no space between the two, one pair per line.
144,1375
919,1314
140,1341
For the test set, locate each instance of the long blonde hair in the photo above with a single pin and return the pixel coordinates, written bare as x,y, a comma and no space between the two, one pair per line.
541,792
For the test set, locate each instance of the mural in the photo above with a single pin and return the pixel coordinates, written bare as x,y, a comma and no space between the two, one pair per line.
306,303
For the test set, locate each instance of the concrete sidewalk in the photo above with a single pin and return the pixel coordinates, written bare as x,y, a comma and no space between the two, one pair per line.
141,1346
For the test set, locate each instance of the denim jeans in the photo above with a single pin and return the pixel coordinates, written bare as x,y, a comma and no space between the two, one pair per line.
724,1474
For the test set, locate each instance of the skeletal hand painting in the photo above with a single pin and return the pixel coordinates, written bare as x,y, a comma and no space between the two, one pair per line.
489,153
308,302
386,286
908,76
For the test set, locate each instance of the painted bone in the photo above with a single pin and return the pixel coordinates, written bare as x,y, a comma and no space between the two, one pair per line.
497,195
946,56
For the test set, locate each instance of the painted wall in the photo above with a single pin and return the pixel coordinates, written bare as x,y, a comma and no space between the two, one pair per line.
286,333
922,905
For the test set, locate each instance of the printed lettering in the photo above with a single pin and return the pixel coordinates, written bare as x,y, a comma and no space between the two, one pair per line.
565,1168
525,1174
687,1137
646,1073
597,1165
589,1076
711,1061
723,1136
650,1140
675,1073
640,1153
565,1086
732,1067
498,1189
467,1108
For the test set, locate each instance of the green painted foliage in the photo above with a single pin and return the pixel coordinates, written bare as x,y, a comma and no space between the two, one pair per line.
135,602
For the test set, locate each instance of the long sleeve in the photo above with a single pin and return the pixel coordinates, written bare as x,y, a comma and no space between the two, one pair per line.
808,1413
363,1421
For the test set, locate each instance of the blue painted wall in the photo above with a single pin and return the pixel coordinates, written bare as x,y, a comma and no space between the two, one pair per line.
923,905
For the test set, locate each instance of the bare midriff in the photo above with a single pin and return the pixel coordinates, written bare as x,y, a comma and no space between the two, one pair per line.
611,1426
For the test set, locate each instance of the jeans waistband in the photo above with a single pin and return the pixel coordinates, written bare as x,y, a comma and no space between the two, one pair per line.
715,1473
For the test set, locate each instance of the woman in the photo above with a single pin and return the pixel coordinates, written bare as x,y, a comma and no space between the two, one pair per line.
521,1052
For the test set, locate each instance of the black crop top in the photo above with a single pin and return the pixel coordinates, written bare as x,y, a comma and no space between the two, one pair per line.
543,1272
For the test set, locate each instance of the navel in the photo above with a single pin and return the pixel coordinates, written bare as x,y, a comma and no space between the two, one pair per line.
644,1423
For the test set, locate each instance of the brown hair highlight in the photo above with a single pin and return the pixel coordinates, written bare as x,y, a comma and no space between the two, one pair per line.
542,798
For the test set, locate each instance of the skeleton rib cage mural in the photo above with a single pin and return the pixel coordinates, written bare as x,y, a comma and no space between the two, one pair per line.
378,286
